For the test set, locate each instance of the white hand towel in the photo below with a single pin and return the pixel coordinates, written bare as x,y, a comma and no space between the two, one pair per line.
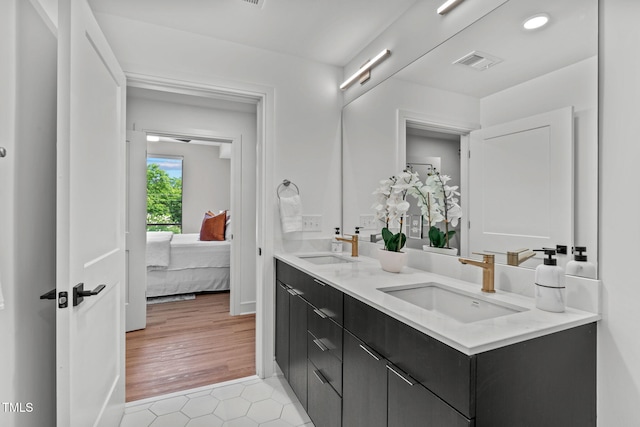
291,213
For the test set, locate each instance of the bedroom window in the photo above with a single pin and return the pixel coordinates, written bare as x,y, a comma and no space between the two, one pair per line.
164,193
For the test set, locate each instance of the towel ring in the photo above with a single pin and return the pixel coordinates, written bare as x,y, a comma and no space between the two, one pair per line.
285,184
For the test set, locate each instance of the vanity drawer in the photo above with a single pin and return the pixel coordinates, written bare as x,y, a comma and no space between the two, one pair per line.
325,405
325,361
328,332
293,278
366,323
327,299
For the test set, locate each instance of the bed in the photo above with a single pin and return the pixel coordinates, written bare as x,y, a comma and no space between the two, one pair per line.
181,263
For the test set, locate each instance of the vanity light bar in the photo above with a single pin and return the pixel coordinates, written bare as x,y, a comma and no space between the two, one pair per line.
366,67
448,5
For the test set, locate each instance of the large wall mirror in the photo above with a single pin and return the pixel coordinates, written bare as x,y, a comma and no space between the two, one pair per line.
509,114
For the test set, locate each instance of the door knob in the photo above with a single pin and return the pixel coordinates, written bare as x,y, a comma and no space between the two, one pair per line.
79,293
62,298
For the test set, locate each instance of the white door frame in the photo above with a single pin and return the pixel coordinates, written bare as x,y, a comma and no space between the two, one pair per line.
438,124
263,97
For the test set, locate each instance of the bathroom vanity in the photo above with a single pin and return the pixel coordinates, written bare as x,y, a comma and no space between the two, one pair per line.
362,347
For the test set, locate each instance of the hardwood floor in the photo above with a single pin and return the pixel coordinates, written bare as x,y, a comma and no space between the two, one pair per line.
189,344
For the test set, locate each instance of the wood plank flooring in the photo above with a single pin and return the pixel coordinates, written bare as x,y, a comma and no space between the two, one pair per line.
189,344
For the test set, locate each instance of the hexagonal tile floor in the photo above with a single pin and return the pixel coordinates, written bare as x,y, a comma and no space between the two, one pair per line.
251,402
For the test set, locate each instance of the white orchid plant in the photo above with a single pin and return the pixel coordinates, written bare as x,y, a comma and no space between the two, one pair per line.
438,203
391,206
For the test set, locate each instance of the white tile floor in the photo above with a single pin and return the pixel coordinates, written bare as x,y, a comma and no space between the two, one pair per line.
249,402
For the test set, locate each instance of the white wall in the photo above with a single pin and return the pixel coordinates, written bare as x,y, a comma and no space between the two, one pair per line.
307,100
562,88
206,180
27,214
618,338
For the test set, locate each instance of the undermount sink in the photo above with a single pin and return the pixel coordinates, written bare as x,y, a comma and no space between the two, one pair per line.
438,298
325,259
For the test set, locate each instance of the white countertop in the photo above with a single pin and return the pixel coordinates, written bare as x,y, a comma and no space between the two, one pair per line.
362,278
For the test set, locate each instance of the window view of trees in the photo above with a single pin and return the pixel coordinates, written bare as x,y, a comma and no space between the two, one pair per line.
164,194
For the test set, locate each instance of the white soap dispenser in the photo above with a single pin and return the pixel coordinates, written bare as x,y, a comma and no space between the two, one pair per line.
580,266
550,289
336,245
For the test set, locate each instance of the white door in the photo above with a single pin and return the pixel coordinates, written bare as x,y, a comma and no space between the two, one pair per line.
136,277
521,184
90,222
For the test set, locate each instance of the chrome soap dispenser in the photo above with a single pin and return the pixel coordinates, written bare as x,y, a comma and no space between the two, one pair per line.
550,289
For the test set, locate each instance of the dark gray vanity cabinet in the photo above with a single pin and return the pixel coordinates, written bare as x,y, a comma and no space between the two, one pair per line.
352,365
309,342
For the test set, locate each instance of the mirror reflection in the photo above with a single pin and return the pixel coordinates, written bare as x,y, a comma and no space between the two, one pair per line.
509,114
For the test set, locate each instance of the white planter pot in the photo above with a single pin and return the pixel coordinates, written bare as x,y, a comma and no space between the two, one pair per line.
392,261
444,251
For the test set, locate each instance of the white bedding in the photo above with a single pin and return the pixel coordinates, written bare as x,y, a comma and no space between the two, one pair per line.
158,249
193,266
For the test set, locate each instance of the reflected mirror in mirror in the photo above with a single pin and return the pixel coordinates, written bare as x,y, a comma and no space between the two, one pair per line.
484,89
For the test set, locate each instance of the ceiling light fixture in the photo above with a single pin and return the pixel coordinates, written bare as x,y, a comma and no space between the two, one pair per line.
448,5
536,21
365,69
153,138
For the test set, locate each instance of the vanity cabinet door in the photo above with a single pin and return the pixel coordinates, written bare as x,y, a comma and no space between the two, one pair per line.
364,390
298,347
282,327
412,405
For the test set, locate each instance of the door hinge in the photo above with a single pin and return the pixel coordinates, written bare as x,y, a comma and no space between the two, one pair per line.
259,251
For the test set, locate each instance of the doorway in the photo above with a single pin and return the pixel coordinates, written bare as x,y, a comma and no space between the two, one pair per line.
179,121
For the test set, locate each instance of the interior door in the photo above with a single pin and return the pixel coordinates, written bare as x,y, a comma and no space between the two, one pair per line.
521,184
90,223
136,236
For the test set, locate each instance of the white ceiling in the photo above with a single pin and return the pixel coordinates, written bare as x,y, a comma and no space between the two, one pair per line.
328,31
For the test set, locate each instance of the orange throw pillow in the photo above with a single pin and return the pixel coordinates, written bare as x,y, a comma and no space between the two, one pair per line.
213,226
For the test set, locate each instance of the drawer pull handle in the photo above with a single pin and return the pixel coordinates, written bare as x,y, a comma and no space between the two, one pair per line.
285,287
370,352
406,378
320,345
292,292
319,282
320,313
319,376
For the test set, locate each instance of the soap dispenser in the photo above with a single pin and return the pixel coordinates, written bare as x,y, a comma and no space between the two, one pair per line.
580,266
336,245
549,280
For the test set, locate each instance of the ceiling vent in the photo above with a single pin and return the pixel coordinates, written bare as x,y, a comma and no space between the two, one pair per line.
256,3
478,60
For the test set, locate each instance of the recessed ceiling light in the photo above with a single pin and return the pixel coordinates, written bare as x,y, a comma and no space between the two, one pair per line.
153,138
536,21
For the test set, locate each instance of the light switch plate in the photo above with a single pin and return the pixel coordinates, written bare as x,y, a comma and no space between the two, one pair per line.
311,222
368,222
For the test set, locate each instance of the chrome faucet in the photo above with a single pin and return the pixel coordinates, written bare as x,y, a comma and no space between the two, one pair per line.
353,241
488,268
